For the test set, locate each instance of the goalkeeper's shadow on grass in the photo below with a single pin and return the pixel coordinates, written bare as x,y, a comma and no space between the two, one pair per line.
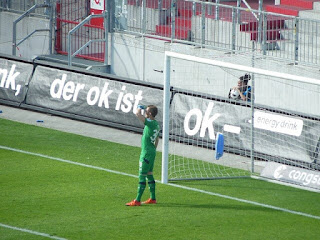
215,206
238,185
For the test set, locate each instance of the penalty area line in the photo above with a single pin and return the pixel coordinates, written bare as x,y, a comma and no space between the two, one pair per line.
170,184
31,232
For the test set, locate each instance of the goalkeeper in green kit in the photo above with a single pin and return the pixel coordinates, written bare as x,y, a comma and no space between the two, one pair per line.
149,143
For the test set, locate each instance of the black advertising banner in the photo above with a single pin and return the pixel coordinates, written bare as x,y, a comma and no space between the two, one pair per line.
14,77
275,135
90,96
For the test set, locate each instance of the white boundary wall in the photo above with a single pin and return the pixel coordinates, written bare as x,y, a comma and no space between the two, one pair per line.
37,44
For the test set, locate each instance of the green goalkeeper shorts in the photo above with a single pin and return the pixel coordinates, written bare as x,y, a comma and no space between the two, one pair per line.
146,164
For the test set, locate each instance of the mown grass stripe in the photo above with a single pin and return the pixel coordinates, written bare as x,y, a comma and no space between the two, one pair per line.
170,184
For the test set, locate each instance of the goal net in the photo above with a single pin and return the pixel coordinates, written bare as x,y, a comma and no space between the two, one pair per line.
211,131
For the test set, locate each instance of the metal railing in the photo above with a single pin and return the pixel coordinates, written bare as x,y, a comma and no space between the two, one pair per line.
68,15
25,14
21,6
89,42
225,27
205,24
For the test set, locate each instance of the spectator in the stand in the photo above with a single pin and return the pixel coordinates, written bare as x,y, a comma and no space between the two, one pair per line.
242,91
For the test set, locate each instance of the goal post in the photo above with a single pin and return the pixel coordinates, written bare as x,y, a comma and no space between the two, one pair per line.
196,107
166,114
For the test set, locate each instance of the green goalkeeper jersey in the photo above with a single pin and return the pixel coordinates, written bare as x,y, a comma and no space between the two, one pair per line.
150,134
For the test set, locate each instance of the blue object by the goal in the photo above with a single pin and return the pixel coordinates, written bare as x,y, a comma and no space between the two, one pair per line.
219,145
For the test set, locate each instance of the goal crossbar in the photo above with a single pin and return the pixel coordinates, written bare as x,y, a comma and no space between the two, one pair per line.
244,68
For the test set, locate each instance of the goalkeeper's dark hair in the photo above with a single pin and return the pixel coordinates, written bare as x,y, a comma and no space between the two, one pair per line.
153,110
245,78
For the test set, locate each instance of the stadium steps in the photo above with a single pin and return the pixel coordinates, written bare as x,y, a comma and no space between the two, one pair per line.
312,14
306,9
291,7
183,22
182,26
274,26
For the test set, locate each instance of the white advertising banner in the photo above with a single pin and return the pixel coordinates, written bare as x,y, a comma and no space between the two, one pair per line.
285,173
277,123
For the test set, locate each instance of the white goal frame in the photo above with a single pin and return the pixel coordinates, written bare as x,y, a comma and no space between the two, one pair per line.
227,65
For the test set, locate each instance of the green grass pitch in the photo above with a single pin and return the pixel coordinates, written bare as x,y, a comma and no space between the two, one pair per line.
82,199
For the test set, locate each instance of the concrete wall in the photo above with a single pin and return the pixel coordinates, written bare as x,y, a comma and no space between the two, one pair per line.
37,44
143,59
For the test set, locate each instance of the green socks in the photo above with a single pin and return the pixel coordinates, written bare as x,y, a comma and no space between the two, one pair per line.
141,187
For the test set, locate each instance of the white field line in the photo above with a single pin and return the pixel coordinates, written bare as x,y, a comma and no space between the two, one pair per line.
170,184
247,201
31,232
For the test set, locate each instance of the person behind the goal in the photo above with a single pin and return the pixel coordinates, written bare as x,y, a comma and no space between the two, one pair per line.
242,90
